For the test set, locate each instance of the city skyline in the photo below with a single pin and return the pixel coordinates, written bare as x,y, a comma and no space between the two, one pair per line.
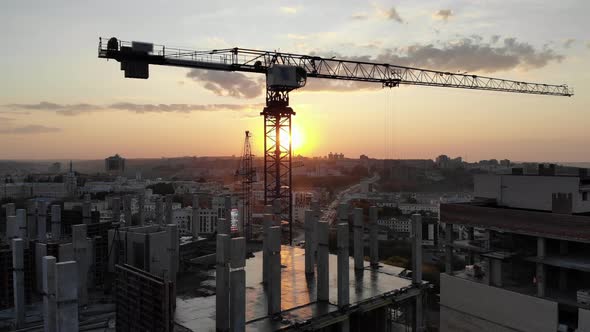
60,102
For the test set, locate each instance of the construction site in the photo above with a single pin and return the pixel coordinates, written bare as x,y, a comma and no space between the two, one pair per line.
73,269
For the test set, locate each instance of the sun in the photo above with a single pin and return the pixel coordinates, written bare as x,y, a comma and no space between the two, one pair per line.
297,139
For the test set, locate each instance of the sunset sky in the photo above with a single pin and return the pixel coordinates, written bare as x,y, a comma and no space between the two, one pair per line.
58,100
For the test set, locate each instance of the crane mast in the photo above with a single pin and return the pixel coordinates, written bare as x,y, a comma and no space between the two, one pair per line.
288,71
247,173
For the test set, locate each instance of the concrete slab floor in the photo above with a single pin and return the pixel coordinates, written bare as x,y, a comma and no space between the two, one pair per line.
298,293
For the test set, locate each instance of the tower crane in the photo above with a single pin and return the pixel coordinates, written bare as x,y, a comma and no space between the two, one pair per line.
247,173
286,72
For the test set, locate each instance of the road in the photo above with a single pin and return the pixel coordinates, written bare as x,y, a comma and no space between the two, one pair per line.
329,213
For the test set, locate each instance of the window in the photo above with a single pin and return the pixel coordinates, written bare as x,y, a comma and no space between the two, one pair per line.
585,196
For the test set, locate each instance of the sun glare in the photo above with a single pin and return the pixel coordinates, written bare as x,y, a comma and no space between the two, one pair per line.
297,140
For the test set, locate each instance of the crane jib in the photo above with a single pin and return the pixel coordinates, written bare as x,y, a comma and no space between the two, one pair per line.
135,58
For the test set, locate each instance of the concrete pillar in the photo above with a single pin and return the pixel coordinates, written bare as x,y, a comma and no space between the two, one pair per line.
56,222
66,252
274,280
40,252
196,221
315,207
18,281
21,220
159,211
418,314
82,253
31,219
87,210
323,286
12,228
309,254
267,223
449,249
173,250
417,249
169,201
49,300
66,292
10,209
141,212
541,270
496,272
238,285
42,222
359,252
343,265
276,210
374,237
222,292
563,250
116,207
487,244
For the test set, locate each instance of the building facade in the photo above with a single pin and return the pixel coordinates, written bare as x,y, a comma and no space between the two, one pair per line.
526,257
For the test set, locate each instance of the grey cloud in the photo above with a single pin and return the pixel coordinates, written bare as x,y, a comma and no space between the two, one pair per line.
392,14
569,42
30,129
181,108
443,14
473,56
64,109
236,85
495,38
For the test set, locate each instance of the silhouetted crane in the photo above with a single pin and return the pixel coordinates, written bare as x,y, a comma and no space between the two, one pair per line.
286,72
247,173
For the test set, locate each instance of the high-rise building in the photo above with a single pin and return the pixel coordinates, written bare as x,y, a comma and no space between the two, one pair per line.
71,182
114,164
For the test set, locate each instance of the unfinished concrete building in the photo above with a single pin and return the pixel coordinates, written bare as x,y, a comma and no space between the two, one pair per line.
285,290
278,288
154,249
525,242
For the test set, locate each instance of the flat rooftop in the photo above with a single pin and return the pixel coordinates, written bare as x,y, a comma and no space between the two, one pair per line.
298,293
527,222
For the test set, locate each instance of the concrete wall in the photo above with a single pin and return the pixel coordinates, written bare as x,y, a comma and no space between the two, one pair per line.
583,320
159,255
495,306
137,241
529,192
455,321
